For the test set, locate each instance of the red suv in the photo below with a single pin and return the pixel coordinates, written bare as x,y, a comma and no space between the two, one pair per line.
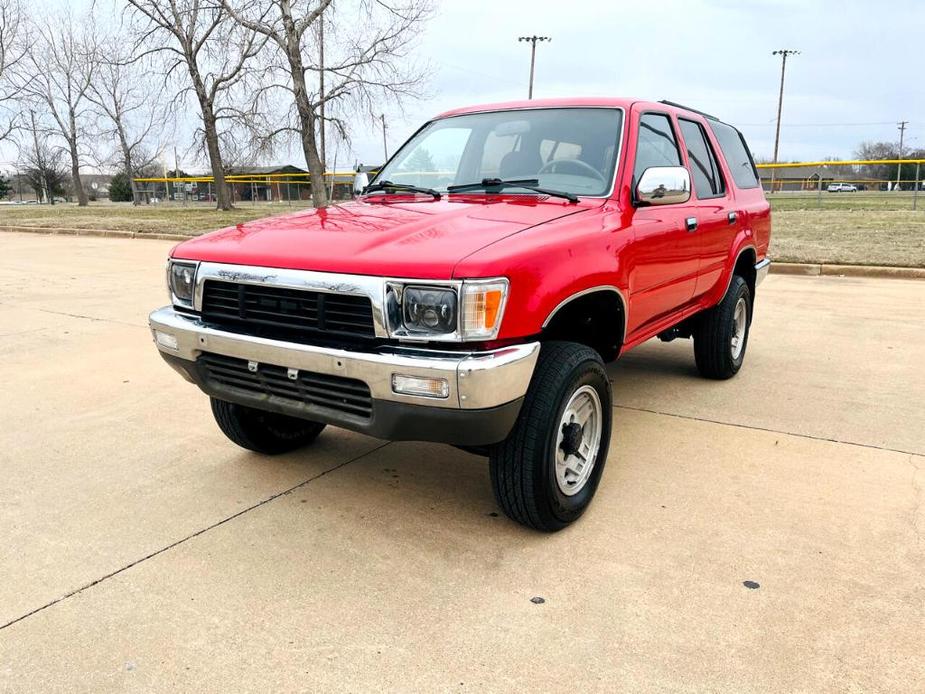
474,290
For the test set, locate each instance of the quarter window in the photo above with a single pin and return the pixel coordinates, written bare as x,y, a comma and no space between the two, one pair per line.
707,180
737,155
656,145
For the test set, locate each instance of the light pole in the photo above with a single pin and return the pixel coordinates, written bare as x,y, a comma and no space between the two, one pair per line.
783,53
532,41
901,126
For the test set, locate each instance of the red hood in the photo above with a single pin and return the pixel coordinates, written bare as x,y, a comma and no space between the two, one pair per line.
418,239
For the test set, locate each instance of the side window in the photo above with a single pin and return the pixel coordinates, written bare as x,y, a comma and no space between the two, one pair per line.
737,155
656,145
708,183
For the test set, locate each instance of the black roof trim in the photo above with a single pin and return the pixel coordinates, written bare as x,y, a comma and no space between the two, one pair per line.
688,108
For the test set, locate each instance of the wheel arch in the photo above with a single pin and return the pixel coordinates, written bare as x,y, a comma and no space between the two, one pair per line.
595,317
744,265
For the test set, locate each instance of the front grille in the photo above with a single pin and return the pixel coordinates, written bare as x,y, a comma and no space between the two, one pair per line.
284,313
345,395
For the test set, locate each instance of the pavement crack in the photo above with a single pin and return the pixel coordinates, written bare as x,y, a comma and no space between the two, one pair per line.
918,490
191,536
91,318
755,427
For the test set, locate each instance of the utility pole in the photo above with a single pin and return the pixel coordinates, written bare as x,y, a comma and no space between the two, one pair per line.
385,146
532,41
176,167
324,161
783,53
901,126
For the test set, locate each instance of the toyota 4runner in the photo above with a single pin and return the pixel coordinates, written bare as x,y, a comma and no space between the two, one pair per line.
474,290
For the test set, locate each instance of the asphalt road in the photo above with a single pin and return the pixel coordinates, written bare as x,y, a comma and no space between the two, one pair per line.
142,551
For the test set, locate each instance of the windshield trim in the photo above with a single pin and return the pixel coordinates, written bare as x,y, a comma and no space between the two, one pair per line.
618,154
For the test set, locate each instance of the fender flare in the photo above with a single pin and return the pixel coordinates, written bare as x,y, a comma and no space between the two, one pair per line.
745,246
585,292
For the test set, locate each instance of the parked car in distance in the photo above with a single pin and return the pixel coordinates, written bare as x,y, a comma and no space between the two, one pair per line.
475,289
842,188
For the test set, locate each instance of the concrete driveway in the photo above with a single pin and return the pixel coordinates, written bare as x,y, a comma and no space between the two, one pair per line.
142,551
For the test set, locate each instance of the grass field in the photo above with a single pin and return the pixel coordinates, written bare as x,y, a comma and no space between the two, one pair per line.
845,233
862,200
165,219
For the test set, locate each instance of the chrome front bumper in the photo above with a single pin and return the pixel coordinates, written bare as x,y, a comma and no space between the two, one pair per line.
477,380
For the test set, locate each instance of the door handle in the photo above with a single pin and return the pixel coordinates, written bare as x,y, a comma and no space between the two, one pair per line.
733,217
691,223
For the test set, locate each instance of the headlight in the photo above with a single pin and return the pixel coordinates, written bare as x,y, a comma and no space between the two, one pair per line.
181,279
429,310
455,312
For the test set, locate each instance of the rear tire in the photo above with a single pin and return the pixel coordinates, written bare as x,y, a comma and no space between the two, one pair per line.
721,335
264,432
545,473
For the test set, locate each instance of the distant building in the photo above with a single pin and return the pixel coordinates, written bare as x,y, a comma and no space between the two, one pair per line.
796,178
283,182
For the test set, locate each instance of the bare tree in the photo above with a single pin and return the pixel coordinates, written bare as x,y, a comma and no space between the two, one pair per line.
364,60
129,111
215,53
55,75
41,164
11,53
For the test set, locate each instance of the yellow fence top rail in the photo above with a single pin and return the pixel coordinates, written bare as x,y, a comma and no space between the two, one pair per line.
243,178
852,162
344,175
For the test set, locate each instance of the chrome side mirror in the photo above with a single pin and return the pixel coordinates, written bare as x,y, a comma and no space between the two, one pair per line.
663,185
360,181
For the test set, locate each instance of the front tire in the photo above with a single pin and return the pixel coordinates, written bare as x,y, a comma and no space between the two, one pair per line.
721,335
263,432
546,472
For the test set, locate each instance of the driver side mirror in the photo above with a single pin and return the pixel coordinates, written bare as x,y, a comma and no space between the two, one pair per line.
663,185
360,181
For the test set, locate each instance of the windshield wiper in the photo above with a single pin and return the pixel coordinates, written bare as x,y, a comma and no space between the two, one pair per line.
500,184
401,188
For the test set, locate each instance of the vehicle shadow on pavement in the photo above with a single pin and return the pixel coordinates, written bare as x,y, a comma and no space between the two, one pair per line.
656,359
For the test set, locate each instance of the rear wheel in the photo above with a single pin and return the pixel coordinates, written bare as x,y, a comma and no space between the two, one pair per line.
546,472
263,432
721,335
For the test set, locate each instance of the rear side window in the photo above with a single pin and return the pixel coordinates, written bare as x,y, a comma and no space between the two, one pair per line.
708,183
737,155
656,145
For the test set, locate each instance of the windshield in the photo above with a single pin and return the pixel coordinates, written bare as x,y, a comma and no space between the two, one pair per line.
566,149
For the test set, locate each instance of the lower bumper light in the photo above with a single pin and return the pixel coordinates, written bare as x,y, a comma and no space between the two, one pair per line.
421,386
166,340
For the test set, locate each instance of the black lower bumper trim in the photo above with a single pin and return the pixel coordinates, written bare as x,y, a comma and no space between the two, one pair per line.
394,421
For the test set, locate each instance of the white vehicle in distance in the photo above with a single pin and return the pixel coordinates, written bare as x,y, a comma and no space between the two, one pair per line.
842,188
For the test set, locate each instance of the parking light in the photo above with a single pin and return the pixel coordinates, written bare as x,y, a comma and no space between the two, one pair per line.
421,386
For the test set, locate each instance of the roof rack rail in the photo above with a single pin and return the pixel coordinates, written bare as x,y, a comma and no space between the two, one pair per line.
687,108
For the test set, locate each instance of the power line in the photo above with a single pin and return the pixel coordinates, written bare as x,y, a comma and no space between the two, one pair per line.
815,125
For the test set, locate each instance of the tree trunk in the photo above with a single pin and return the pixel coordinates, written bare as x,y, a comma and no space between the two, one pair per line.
127,164
307,128
222,201
313,159
82,199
